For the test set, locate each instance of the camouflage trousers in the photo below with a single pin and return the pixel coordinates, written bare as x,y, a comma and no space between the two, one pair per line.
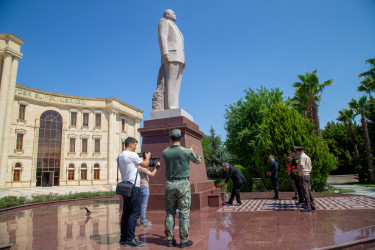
177,195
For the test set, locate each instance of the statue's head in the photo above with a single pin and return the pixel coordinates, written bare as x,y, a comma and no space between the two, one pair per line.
169,14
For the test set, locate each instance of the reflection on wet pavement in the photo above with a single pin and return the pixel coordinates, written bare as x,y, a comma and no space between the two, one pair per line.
68,227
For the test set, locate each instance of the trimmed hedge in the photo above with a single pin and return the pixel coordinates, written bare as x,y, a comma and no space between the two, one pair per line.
12,201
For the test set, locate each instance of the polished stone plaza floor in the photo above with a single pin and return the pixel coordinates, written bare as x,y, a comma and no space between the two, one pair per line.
259,223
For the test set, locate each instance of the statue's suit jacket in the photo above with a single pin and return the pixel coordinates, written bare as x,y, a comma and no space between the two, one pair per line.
171,41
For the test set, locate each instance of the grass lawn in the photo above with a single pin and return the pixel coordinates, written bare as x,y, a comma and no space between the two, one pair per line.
342,191
371,185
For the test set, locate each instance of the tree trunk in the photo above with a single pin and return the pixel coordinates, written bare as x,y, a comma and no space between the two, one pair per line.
354,142
368,147
314,113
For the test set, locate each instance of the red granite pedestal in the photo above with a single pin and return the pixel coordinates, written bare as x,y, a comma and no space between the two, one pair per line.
155,136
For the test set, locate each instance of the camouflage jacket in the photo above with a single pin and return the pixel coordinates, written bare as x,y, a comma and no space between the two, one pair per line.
176,159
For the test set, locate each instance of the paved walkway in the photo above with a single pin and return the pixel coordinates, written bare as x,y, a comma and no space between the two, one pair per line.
338,181
28,192
67,226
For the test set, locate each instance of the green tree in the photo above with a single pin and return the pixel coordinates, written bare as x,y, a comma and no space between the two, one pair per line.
360,107
214,155
214,168
368,78
243,121
347,117
308,94
340,145
207,150
282,129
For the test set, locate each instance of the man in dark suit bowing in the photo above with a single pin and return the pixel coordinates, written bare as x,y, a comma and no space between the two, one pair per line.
238,180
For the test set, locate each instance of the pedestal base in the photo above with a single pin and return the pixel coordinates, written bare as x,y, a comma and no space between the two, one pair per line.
156,139
168,113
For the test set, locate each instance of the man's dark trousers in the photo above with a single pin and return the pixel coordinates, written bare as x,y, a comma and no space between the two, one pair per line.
295,179
130,213
275,185
236,192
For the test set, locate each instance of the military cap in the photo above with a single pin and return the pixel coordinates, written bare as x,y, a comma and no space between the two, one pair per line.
298,148
175,132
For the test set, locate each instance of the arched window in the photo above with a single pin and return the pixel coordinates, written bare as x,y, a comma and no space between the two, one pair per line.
83,171
71,172
96,172
49,149
17,172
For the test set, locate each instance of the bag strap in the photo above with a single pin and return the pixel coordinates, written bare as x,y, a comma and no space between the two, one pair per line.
136,177
118,164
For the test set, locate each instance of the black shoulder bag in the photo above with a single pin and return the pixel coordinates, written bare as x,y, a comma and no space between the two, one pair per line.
125,188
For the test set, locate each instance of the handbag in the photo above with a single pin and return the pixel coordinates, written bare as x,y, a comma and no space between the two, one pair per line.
125,188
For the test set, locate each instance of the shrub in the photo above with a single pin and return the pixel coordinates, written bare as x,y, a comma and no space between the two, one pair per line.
11,201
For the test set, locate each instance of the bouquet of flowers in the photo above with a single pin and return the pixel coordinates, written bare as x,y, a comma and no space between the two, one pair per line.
290,169
223,187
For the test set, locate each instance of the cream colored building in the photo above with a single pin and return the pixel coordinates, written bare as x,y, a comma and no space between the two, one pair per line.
50,139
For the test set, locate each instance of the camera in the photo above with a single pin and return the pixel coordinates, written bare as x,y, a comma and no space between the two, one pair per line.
152,161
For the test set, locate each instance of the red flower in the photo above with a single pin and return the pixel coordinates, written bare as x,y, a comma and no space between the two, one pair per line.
218,186
293,167
288,169
269,173
15,198
287,164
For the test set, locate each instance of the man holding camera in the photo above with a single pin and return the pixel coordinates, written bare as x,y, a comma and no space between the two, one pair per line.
177,189
128,165
145,173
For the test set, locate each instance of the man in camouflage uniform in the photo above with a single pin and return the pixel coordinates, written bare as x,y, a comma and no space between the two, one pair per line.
177,190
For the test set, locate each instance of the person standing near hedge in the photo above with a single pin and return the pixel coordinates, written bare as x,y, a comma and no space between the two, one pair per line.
295,178
304,172
238,179
128,165
274,174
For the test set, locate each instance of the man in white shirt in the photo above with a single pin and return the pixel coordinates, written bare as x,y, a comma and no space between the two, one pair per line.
128,164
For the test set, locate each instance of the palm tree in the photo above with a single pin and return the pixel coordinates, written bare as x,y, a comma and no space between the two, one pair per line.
347,117
368,84
360,107
309,93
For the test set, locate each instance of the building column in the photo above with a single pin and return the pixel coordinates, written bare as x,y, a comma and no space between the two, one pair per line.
8,121
4,87
1,68
136,134
111,165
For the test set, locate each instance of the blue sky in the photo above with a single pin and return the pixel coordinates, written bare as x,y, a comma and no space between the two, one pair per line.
110,48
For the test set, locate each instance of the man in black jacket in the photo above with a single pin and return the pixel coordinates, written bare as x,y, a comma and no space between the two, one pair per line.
237,178
273,171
